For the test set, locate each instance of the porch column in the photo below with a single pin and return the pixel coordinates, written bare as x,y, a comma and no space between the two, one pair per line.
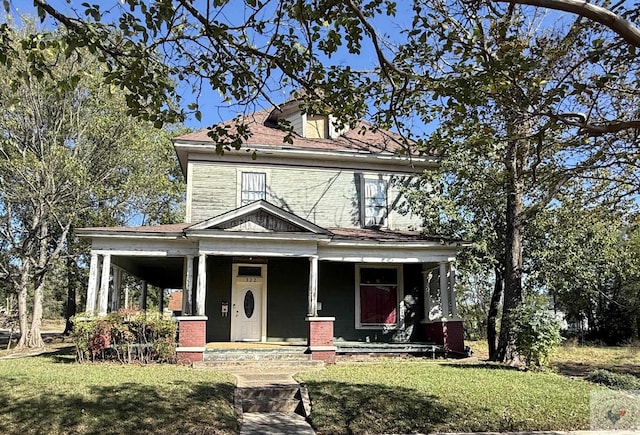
92,287
126,296
117,287
313,287
187,290
444,290
161,300
201,291
452,289
103,294
143,296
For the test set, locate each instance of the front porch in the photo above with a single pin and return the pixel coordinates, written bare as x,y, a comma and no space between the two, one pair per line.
288,282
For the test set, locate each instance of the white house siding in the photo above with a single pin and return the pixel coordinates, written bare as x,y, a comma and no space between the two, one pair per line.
326,197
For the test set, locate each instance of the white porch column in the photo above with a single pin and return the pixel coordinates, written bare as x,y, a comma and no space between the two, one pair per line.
103,294
201,291
143,296
117,287
126,296
92,287
313,286
187,290
452,289
444,289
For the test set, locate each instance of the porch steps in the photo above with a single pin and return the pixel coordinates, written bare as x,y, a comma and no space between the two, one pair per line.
425,349
281,398
255,355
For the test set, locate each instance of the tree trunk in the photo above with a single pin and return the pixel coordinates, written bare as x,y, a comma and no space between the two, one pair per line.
70,307
492,316
22,304
506,351
35,337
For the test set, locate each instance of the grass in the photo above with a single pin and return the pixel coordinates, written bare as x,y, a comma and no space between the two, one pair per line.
423,396
574,360
53,394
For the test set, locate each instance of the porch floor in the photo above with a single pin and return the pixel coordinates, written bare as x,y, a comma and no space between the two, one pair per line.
255,345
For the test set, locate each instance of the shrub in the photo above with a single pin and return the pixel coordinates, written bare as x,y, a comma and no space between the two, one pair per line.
617,381
125,336
537,332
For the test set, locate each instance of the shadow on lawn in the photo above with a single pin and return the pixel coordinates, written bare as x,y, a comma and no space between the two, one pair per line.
482,365
345,408
123,409
582,369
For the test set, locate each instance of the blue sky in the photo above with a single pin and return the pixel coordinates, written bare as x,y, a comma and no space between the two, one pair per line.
213,108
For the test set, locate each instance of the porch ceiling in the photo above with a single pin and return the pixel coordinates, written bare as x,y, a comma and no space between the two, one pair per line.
163,272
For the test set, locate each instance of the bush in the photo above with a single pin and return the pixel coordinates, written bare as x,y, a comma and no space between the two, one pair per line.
616,381
125,336
537,332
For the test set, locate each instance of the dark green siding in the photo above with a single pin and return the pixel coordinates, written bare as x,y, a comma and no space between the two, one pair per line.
336,291
218,291
287,295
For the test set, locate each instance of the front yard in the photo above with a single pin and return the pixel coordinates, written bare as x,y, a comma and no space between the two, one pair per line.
53,394
422,396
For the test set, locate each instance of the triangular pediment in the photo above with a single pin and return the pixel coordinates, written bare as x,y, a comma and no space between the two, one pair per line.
259,216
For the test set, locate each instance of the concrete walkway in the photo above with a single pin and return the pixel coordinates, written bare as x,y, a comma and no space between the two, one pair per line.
274,423
270,422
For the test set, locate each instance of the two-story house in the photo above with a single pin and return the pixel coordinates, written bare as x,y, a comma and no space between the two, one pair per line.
304,242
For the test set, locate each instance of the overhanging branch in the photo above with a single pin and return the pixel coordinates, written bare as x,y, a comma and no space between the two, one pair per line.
613,21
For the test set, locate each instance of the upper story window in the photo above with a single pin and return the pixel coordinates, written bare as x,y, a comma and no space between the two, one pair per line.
317,127
374,201
253,187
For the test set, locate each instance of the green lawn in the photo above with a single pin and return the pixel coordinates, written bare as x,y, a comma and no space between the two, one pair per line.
393,396
52,394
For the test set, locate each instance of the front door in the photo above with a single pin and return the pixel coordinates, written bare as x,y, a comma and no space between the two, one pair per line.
248,302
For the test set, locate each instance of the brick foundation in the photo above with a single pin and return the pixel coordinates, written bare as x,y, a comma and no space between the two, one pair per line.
320,339
192,338
448,333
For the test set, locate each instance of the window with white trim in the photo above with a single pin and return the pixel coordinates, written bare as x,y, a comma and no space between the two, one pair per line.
253,187
378,293
374,201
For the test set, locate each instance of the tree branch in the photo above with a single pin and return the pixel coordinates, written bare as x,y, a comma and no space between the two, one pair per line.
613,21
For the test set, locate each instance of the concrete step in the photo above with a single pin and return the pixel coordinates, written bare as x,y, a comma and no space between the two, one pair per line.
280,392
272,405
271,366
262,355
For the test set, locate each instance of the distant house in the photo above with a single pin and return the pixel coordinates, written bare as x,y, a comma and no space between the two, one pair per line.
175,303
304,243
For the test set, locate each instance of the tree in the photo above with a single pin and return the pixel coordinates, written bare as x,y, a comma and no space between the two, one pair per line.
531,109
66,151
591,270
552,96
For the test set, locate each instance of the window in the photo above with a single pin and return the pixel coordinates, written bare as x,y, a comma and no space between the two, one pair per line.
254,187
377,296
374,201
317,127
